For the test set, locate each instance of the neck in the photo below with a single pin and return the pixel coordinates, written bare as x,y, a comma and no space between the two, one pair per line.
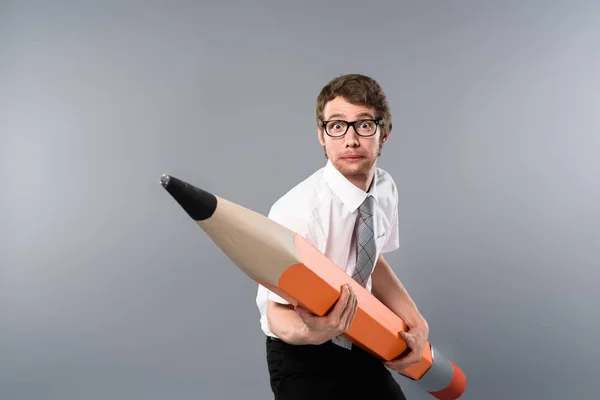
362,181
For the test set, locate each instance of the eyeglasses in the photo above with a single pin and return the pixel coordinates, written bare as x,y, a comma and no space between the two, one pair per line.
338,128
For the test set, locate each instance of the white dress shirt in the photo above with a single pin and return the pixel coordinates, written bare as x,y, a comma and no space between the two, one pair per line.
323,209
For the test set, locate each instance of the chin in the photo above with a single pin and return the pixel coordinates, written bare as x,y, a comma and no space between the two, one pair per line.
354,168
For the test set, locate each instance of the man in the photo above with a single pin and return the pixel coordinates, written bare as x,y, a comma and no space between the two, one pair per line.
349,211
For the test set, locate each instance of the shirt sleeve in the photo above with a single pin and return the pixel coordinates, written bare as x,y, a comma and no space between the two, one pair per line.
393,241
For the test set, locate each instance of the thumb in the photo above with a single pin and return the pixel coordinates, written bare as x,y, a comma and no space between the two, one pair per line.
407,337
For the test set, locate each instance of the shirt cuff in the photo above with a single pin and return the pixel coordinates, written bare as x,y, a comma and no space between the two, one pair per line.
276,298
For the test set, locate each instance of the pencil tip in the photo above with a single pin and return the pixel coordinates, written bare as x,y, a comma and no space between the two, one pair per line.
164,180
198,203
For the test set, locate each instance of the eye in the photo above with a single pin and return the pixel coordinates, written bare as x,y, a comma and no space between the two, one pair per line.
336,126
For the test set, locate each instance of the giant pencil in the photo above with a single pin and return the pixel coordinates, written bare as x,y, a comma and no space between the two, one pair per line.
290,266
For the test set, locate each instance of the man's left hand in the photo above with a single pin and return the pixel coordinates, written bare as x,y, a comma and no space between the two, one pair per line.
415,338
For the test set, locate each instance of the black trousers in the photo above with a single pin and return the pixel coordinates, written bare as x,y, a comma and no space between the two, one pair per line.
327,371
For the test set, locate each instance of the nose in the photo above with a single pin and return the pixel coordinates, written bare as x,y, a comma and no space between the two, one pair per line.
351,138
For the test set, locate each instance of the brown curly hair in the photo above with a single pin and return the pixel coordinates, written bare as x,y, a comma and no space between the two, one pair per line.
357,89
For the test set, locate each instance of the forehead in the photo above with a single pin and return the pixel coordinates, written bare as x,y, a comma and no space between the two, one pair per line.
342,109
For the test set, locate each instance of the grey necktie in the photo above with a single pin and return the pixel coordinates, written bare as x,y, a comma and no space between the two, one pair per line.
365,242
365,252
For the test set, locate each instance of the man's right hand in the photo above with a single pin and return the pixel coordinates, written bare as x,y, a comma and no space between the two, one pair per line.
338,321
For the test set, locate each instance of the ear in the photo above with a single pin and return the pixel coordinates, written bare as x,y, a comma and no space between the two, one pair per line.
386,136
320,136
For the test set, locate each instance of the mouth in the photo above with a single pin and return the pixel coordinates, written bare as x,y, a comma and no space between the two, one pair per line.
352,157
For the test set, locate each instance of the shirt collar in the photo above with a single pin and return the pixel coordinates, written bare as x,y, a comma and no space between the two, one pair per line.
348,193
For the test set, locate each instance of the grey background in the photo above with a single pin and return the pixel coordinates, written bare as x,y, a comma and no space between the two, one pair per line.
108,290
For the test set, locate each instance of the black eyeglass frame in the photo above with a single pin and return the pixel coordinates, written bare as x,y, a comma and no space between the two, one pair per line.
351,124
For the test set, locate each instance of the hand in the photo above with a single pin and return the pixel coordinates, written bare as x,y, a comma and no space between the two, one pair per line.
415,338
338,321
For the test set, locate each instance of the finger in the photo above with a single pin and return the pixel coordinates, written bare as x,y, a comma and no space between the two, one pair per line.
414,356
350,309
403,362
353,308
408,338
400,365
340,305
411,359
343,321
418,351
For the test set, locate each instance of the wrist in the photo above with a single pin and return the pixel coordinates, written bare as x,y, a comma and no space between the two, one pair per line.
419,323
303,335
413,319
311,336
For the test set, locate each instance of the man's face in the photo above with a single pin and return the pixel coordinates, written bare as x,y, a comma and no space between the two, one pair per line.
352,155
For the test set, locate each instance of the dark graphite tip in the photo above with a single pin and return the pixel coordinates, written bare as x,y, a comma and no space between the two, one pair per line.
197,203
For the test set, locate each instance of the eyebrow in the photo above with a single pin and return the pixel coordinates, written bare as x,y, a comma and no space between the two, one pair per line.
361,115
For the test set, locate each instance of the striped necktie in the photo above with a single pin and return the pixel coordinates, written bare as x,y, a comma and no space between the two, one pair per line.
365,252
365,242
